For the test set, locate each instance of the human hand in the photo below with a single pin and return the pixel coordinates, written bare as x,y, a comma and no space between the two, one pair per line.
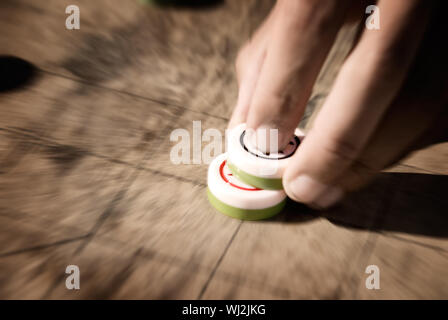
390,96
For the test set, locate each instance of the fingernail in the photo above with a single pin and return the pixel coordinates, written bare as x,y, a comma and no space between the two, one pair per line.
264,138
315,193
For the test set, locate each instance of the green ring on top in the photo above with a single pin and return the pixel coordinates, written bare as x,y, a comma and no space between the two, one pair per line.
244,214
262,183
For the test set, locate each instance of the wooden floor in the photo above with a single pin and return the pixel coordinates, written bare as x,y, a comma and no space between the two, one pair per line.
86,179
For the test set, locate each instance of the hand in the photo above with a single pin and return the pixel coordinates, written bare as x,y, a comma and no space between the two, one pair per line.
390,96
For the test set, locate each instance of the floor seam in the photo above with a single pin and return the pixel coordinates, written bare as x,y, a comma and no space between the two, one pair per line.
377,224
418,243
45,142
414,167
161,102
42,246
133,175
218,263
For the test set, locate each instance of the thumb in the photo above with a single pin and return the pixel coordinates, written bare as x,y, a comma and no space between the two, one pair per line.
362,93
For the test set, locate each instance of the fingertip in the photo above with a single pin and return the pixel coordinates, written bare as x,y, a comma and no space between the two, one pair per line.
311,192
234,122
268,137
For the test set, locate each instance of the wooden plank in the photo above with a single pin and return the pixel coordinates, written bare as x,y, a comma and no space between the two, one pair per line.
433,159
229,288
91,148
295,260
106,272
23,232
172,216
407,271
32,274
56,186
119,273
181,56
100,121
161,160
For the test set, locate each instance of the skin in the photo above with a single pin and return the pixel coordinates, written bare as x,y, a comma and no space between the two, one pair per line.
389,98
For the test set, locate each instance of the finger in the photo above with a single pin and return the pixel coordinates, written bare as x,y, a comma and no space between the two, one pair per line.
366,85
248,65
417,117
298,45
408,127
247,84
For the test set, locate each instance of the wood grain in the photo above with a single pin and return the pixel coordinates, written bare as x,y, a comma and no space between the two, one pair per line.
61,184
407,271
86,176
170,216
300,260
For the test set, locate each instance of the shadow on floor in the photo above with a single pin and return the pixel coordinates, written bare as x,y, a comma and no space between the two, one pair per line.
15,73
397,202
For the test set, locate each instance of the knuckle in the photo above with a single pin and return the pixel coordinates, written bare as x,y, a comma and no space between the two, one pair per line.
282,102
341,149
360,174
